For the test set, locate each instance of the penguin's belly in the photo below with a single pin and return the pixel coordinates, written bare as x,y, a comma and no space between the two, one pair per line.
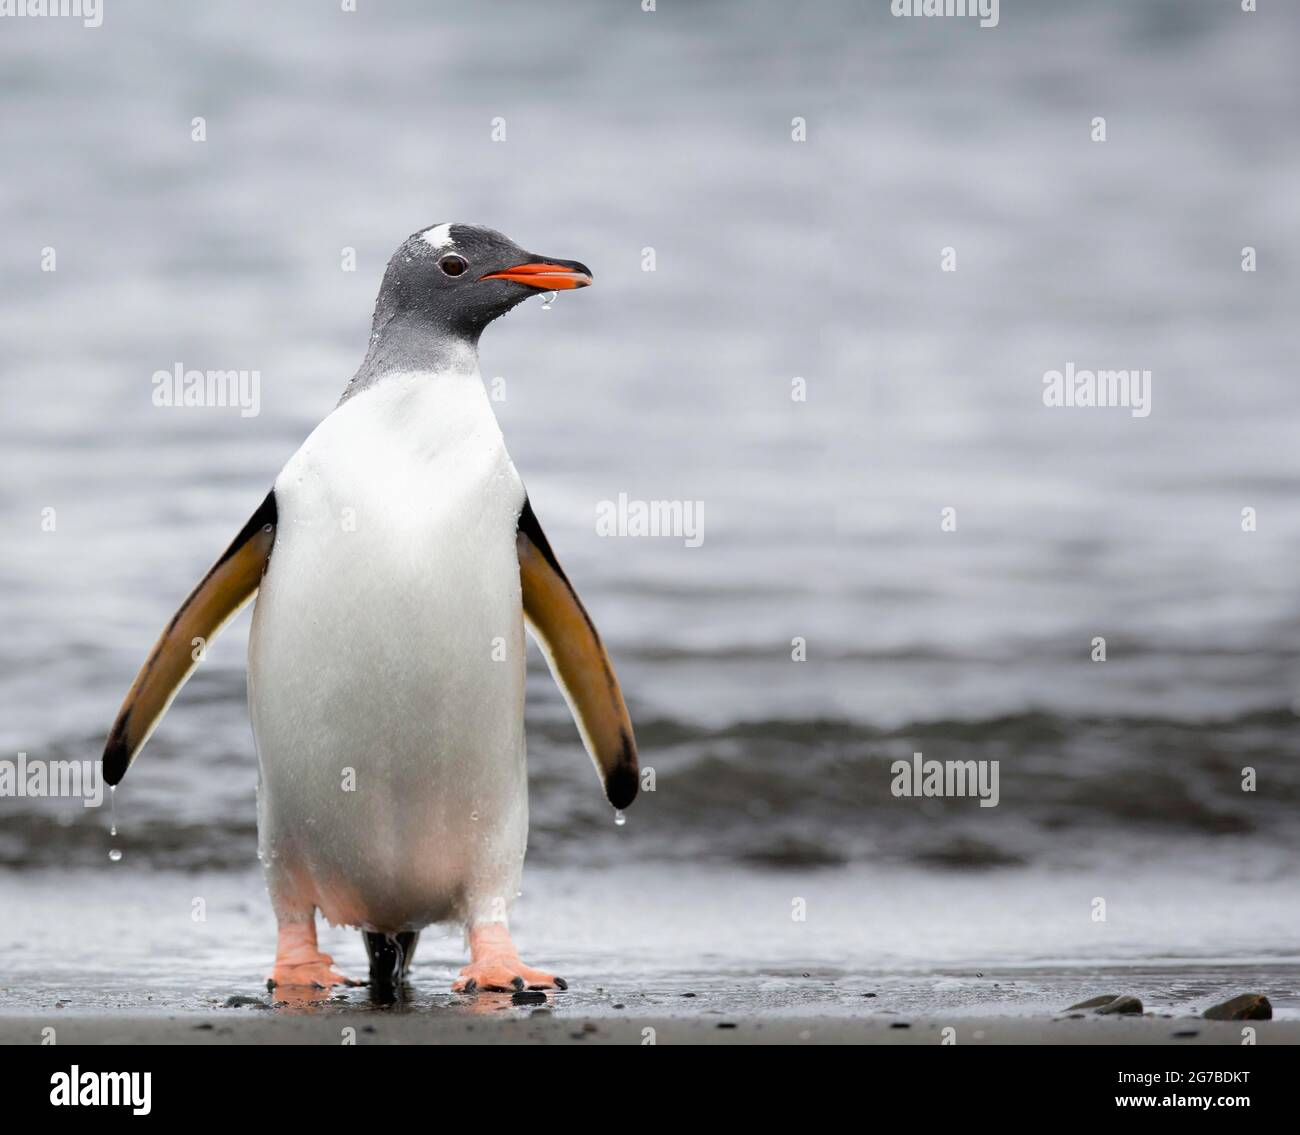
386,665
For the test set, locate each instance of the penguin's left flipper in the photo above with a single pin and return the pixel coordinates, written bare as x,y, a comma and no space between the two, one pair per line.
219,597
577,660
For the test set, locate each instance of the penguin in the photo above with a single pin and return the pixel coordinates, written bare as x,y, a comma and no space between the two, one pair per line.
395,564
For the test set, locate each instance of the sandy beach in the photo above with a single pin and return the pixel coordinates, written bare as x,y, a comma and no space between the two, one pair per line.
496,1021
713,958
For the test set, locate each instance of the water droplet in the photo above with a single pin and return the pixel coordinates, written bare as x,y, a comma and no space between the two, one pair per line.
473,816
548,299
112,808
115,855
619,818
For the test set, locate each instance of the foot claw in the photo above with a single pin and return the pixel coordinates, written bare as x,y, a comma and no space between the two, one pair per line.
503,975
560,983
496,967
299,961
317,972
316,977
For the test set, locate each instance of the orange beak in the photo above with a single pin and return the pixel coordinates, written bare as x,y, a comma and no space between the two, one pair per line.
546,275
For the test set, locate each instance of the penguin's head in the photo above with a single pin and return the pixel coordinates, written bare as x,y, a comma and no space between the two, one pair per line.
458,278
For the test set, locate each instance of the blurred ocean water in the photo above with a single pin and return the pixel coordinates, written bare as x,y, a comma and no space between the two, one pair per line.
774,260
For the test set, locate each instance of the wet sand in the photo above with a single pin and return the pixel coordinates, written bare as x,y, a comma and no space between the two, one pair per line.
127,955
531,1027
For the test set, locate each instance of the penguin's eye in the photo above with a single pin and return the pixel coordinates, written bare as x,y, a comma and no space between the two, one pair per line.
453,265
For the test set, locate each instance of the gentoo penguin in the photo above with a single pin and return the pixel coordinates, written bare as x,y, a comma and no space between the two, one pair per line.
395,562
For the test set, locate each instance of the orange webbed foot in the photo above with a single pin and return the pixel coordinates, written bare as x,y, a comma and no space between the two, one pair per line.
318,972
299,961
496,967
504,974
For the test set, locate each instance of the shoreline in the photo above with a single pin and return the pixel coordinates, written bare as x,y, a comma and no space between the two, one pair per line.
547,1027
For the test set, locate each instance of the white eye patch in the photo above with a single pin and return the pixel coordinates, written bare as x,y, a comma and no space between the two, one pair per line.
439,236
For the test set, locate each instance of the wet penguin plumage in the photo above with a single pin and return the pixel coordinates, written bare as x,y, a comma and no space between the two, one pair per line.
395,563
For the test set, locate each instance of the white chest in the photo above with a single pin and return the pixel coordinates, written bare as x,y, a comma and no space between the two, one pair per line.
390,615
412,455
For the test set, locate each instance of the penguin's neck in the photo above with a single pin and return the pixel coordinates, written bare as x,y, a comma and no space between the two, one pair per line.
402,345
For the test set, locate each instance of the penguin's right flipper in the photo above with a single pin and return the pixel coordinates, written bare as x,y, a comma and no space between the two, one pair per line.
219,597
577,660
